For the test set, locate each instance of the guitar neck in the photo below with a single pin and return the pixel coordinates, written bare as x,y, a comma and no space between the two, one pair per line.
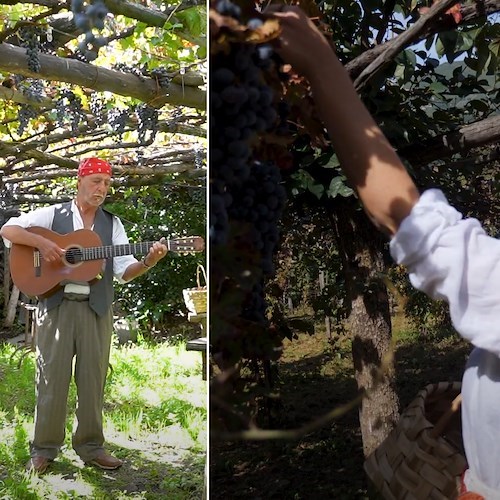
108,251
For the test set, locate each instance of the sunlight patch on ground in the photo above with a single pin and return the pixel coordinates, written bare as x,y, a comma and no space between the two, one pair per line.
171,446
60,483
50,486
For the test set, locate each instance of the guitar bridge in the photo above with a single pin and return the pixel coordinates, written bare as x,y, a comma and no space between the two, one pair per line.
37,263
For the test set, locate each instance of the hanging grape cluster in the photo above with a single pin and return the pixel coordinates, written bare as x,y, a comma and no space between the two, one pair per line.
125,68
29,38
199,157
117,119
242,107
69,109
246,194
34,90
24,115
87,17
162,76
98,109
147,119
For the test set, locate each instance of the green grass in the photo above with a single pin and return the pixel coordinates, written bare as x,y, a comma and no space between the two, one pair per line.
155,419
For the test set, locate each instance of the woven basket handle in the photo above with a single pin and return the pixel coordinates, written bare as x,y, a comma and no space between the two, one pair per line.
202,269
445,418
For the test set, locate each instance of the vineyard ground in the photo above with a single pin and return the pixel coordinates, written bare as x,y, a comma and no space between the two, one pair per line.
156,465
328,463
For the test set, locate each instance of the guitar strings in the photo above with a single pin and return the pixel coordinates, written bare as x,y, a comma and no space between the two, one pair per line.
77,254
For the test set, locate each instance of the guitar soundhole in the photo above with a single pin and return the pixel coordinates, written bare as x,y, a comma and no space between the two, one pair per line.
73,255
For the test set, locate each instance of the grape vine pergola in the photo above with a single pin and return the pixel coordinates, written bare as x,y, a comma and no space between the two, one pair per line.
136,97
122,80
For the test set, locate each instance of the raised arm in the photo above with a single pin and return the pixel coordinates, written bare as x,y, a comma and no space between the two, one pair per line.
368,160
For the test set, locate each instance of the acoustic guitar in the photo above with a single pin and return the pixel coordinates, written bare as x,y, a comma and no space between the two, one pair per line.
83,259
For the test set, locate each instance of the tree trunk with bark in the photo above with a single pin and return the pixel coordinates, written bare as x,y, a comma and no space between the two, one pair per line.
369,323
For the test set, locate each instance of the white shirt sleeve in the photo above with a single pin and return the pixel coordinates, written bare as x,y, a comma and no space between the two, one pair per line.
452,258
120,237
41,217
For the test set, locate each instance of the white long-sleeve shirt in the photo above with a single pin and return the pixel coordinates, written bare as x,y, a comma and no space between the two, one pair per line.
452,258
44,216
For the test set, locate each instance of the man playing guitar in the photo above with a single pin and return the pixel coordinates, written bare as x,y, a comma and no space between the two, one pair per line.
76,319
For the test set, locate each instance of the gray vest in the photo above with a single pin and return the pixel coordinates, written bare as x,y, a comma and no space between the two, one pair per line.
101,290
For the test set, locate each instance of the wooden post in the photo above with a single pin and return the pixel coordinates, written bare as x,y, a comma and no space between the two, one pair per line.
322,282
12,307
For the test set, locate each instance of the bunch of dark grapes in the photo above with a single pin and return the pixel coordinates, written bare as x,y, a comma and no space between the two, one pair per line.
29,38
241,105
24,115
117,119
125,68
98,109
88,16
246,194
69,108
162,76
259,201
34,89
147,120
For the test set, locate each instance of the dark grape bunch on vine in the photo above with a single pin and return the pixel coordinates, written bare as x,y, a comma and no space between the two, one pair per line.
242,108
29,38
69,109
88,16
162,75
147,119
97,107
117,119
34,90
133,70
25,114
246,192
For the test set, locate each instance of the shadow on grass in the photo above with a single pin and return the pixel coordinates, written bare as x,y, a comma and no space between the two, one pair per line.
160,473
328,463
166,464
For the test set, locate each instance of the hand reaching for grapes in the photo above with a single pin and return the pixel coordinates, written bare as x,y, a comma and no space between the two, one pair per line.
300,44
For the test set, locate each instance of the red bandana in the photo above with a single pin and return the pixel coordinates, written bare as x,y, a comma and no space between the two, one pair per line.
91,166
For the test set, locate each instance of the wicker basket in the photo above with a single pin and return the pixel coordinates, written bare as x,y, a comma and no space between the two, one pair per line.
196,298
422,458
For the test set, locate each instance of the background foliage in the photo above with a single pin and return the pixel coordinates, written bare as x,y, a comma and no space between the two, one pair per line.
124,81
428,74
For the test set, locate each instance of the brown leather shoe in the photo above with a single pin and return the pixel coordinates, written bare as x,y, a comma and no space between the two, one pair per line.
106,462
38,464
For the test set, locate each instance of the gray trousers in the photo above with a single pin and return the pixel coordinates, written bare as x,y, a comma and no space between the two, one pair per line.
71,330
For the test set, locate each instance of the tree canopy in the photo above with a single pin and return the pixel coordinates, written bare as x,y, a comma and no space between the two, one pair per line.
122,80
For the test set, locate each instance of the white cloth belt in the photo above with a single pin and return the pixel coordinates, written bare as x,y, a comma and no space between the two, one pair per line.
77,288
